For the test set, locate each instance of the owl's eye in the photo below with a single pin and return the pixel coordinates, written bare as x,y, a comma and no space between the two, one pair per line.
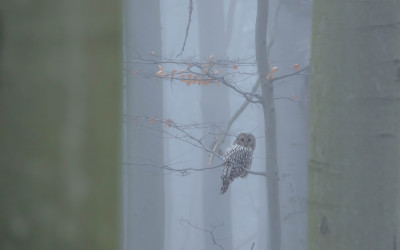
248,139
242,139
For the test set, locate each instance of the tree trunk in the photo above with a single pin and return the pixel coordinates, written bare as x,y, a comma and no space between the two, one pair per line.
145,185
292,44
274,217
215,110
60,116
355,127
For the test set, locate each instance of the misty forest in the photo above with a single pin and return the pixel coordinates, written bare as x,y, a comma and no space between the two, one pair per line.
200,124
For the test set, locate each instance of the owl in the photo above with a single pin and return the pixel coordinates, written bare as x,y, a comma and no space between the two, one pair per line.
238,156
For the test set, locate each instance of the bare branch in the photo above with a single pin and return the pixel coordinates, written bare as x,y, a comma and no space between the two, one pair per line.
290,74
246,241
187,27
248,96
186,171
183,171
254,172
196,142
209,231
204,72
289,98
221,139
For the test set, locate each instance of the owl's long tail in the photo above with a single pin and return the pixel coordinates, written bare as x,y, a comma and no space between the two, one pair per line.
225,185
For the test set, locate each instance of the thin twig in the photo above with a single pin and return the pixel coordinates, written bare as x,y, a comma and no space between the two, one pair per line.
289,98
183,171
186,171
290,74
255,172
197,142
209,231
188,26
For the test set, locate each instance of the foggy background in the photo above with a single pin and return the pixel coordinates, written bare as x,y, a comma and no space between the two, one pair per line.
226,30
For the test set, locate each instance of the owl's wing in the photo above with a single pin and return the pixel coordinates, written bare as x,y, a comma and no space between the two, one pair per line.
226,171
247,166
228,158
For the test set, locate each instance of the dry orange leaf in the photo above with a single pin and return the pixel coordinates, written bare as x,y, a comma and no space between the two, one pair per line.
168,123
294,97
274,69
181,71
296,67
216,71
183,75
173,71
159,73
153,120
203,82
211,59
235,67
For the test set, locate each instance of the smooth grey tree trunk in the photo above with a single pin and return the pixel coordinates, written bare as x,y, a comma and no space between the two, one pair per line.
274,217
144,97
215,110
60,76
354,162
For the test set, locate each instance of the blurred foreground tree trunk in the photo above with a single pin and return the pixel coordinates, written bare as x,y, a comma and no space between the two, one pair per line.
213,40
60,81
144,97
354,163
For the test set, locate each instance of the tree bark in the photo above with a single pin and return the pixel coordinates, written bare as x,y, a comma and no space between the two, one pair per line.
145,185
60,80
274,217
355,129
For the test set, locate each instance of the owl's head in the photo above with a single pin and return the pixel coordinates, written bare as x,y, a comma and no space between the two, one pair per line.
246,139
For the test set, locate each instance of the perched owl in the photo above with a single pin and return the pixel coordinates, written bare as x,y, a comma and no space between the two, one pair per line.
238,155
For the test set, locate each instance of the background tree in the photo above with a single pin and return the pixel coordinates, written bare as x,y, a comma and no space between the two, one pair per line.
290,29
144,187
60,120
267,102
215,110
354,147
